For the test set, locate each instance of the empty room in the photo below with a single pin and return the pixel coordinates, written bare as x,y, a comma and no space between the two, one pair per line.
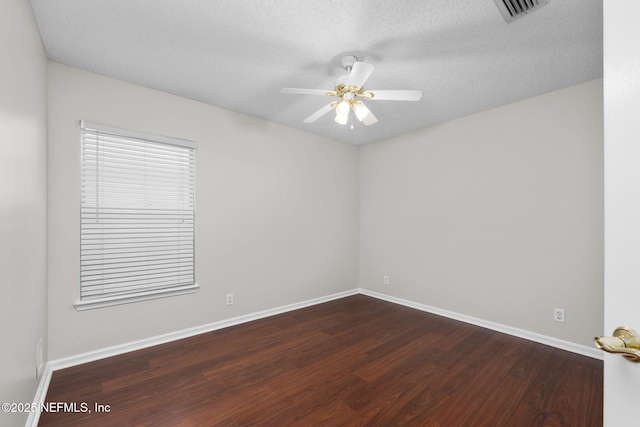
330,213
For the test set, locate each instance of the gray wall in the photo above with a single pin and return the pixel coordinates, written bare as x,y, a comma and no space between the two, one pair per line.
276,212
498,216
23,204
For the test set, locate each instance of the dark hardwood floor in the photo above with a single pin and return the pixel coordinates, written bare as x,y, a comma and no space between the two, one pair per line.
353,361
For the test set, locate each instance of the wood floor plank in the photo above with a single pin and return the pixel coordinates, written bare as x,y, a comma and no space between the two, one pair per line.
348,362
391,361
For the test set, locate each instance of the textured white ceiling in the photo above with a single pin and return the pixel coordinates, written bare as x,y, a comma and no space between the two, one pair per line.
238,54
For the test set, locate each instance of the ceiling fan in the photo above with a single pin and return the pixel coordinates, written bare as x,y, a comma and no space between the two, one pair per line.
350,92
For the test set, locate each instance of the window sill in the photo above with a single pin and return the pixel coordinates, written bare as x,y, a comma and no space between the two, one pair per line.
142,296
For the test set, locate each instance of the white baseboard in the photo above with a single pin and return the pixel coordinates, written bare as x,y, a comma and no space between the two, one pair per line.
91,356
185,333
41,395
521,333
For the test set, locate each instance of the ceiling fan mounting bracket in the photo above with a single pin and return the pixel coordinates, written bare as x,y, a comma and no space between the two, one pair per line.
348,61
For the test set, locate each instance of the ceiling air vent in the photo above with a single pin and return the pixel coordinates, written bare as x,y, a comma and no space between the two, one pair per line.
512,9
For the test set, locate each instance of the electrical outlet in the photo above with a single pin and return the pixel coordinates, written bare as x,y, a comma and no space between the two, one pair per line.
558,315
385,280
229,299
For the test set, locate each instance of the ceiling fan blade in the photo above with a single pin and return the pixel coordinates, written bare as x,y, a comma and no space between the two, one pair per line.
359,74
396,95
321,112
363,113
296,91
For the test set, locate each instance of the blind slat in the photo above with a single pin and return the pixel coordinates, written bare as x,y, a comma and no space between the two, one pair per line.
139,251
125,264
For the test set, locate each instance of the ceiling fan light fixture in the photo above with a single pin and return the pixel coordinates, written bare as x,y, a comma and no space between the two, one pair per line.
343,107
342,118
360,110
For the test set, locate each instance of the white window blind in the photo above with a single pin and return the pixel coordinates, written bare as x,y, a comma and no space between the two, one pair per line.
137,216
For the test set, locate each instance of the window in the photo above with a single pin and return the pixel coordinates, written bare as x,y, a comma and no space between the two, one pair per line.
137,216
